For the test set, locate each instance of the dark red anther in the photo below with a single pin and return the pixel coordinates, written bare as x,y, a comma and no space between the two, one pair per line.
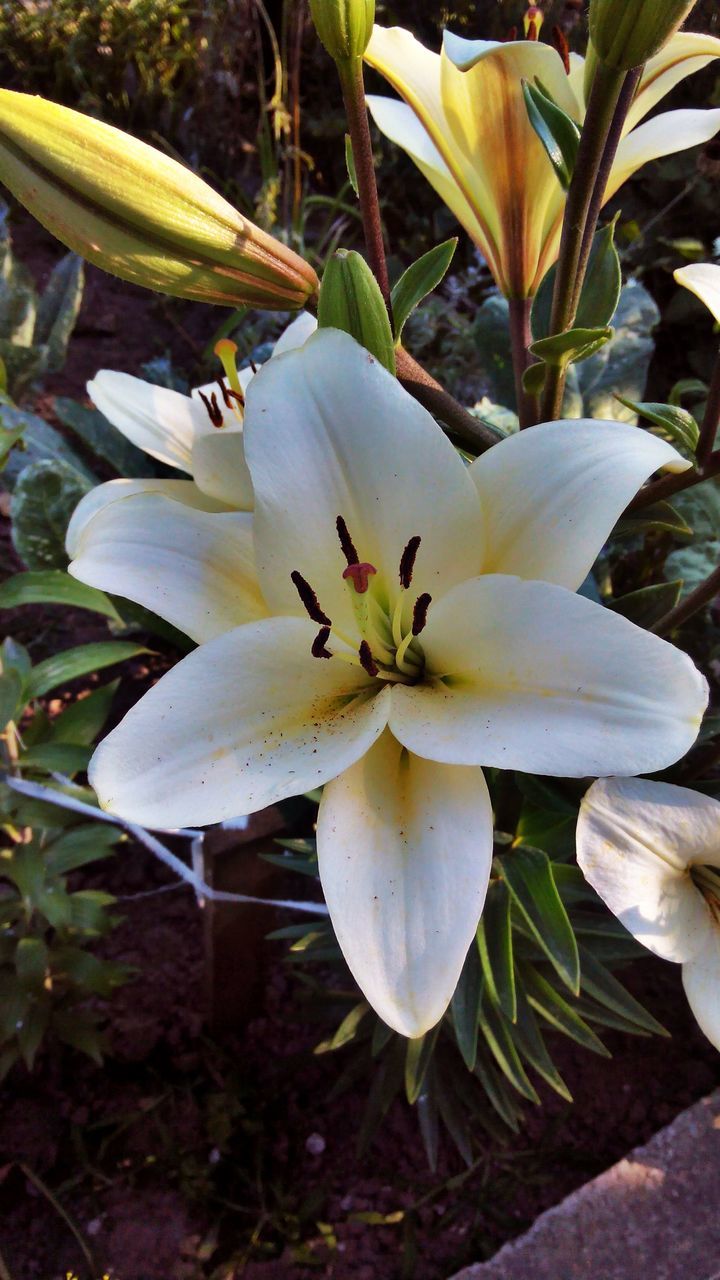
511,35
420,612
532,31
310,600
214,412
562,46
318,649
407,561
346,542
360,575
367,661
229,395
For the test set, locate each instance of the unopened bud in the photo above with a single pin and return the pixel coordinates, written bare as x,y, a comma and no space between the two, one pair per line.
626,33
350,299
138,214
344,26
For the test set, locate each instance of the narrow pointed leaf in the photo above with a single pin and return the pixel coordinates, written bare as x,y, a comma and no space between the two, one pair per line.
528,875
465,1006
54,586
598,982
658,517
498,1093
556,130
495,947
570,347
418,281
677,424
600,293
347,1030
647,605
417,1060
551,1006
529,1041
67,666
10,694
79,846
496,1031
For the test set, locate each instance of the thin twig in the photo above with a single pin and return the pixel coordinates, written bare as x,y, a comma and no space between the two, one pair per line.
53,1200
692,604
658,490
711,418
468,429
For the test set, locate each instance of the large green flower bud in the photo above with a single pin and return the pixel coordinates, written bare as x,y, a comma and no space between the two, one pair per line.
626,33
138,214
344,26
350,299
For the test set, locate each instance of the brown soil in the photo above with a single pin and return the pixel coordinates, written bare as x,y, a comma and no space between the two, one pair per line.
187,1157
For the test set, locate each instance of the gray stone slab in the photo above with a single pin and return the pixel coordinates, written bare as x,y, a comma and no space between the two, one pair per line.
653,1216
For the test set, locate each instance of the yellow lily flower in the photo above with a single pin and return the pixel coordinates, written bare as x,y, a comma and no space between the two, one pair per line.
464,123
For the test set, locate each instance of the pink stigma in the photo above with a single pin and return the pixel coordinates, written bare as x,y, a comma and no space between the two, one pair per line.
360,574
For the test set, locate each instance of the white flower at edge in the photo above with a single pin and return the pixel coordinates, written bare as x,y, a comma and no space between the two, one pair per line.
176,429
468,648
702,279
649,849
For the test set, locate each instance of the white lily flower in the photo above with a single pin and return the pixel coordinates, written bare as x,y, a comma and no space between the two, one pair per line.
200,434
702,279
423,622
464,122
649,849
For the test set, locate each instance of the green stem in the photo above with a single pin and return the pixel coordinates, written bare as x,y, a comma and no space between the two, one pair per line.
692,604
520,339
711,419
599,131
466,428
353,89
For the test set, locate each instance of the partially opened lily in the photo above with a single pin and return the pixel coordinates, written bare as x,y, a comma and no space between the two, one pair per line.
421,622
463,121
652,852
200,435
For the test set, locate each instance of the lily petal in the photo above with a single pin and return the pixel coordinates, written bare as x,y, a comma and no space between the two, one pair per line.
404,853
550,496
544,681
330,433
219,466
701,980
296,334
702,279
662,136
193,568
635,840
244,721
685,53
116,490
159,421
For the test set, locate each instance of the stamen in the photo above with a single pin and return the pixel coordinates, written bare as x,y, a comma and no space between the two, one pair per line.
511,35
347,544
359,575
318,649
309,600
397,620
420,613
532,22
407,561
214,412
231,398
366,659
560,41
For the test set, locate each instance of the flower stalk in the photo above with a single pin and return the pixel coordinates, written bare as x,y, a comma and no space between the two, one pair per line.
711,419
692,604
353,91
467,429
520,339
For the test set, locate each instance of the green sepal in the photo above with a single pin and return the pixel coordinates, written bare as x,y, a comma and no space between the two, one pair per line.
675,422
350,299
557,131
418,281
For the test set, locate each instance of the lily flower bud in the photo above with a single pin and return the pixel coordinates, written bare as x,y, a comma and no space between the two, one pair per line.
138,214
350,299
344,26
626,33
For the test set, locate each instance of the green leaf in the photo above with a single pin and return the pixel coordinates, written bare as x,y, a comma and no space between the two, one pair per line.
465,1006
88,910
87,971
77,1030
56,905
32,1029
40,443
597,982
418,281
571,347
497,1032
528,875
496,1089
657,517
551,1006
417,1060
31,961
557,131
77,847
700,508
350,299
455,1122
529,1041
347,1030
44,499
387,1083
103,439
26,869
350,164
687,387
619,367
82,721
14,1004
675,423
533,378
63,667
57,757
647,605
494,939
600,293
54,586
58,310
10,695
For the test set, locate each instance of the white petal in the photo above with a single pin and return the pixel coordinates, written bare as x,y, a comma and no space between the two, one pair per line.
116,490
330,433
244,721
193,568
635,841
701,980
404,852
551,495
159,421
685,53
702,279
296,334
662,136
545,681
219,466
400,124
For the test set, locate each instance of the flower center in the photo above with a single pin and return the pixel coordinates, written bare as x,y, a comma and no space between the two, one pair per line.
386,647
707,881
232,394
